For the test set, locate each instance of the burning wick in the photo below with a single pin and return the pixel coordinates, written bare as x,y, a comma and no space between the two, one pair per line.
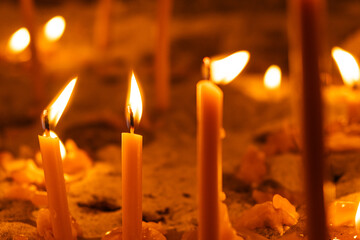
133,109
45,122
132,120
206,68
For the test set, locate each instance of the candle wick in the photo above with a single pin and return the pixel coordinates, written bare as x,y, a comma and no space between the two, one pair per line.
355,86
206,68
132,120
45,122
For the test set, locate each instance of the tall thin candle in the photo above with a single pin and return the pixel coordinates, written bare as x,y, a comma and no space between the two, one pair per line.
305,61
27,11
209,99
162,58
132,168
53,168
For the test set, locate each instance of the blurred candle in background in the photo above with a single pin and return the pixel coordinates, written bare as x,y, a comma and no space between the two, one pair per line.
162,55
28,14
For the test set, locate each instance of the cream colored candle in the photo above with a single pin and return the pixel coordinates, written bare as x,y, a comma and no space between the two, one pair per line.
132,169
212,217
55,187
131,185
209,114
53,169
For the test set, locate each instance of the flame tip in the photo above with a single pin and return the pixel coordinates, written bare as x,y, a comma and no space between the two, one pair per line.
58,105
19,40
272,77
134,103
347,64
226,69
54,28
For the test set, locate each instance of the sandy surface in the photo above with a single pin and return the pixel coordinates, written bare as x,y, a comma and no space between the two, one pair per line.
95,118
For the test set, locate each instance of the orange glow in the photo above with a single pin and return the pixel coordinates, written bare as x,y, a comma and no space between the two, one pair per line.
19,40
272,77
348,67
134,101
54,28
226,69
62,146
56,108
357,219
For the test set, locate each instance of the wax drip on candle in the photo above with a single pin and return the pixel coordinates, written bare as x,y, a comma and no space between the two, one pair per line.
206,68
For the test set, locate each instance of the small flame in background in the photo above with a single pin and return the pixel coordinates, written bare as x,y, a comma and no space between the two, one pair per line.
226,69
56,108
19,41
272,77
54,28
134,101
62,146
357,219
348,67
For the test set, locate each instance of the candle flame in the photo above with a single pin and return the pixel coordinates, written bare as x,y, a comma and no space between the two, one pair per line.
57,106
272,77
19,40
54,28
134,103
348,67
357,219
226,69
62,146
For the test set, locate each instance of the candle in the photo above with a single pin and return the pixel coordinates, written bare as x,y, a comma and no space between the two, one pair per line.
209,98
350,73
53,169
357,219
27,10
132,168
348,66
102,24
162,63
209,114
305,60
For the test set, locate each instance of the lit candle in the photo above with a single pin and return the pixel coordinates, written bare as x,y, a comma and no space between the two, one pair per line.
49,40
357,219
132,168
306,55
350,73
348,66
53,168
209,98
28,13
